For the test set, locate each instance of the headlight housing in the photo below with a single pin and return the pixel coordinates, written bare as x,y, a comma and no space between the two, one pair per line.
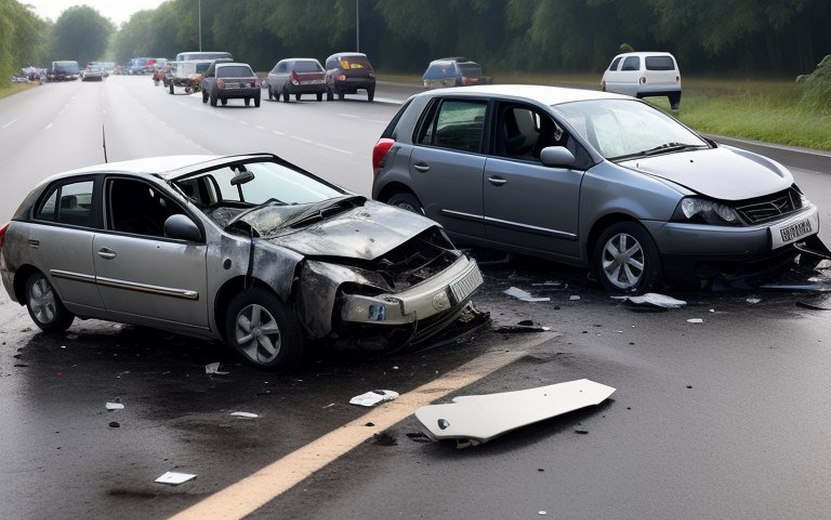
704,211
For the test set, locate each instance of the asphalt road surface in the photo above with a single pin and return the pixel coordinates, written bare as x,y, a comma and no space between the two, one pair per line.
720,419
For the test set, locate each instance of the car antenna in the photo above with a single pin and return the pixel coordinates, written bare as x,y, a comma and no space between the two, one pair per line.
104,142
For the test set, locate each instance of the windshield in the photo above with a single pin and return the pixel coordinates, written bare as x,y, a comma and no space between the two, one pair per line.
622,128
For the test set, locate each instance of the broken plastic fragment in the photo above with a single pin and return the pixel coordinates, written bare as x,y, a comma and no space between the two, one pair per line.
244,415
753,300
525,296
657,300
373,397
574,297
173,478
695,320
115,406
213,368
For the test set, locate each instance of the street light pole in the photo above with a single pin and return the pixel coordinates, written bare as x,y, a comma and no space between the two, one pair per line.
357,25
200,23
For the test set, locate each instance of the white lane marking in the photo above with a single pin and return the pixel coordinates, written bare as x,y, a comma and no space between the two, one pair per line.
240,121
361,118
48,126
301,139
10,123
258,127
254,491
334,149
277,132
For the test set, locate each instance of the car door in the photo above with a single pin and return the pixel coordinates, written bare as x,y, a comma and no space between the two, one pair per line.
527,204
60,237
447,164
143,277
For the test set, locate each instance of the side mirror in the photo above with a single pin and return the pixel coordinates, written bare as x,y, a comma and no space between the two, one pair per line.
557,156
181,227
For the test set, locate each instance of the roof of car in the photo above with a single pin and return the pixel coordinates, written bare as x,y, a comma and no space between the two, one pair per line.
542,93
166,167
645,53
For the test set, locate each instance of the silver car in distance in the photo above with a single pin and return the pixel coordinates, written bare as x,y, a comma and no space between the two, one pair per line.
247,249
593,179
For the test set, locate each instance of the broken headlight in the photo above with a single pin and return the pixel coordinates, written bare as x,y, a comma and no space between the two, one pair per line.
703,211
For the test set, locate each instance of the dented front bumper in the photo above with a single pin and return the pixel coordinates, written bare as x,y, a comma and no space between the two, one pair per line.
449,289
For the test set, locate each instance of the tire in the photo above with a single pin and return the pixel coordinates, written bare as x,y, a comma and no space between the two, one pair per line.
247,102
264,330
407,201
626,259
257,101
204,97
297,97
320,96
285,95
674,100
224,101
370,95
329,95
171,88
45,306
341,96
213,99
270,94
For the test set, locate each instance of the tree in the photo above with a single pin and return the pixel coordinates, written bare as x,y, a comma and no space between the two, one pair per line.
80,33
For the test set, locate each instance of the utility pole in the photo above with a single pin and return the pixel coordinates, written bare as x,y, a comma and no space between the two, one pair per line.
357,25
199,10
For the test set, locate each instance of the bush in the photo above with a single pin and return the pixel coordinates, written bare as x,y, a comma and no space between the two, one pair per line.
817,86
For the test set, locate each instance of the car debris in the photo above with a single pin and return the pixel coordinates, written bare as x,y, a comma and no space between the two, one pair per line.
653,299
695,320
475,419
244,415
174,478
753,301
373,397
525,296
213,369
114,406
820,304
522,326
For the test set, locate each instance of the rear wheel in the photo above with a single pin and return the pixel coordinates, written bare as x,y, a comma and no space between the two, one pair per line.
370,94
45,306
320,96
171,88
329,94
264,330
626,259
270,93
406,200
213,99
285,95
297,97
257,101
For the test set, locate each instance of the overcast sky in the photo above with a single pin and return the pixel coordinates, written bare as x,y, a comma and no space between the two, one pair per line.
119,11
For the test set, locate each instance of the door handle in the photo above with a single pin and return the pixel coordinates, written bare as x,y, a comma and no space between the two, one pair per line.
497,181
422,167
35,243
107,253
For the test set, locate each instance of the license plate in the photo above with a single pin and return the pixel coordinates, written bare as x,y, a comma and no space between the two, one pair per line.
795,231
465,286
787,233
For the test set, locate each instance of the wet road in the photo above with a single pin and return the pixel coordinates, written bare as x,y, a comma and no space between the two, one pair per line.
722,419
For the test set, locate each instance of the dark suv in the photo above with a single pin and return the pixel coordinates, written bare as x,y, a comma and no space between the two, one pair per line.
348,72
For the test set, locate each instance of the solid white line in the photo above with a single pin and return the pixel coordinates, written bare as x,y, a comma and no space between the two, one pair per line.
302,140
48,126
256,490
334,149
10,123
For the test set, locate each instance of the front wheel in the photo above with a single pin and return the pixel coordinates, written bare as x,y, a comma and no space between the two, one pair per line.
320,96
170,88
329,94
257,101
213,99
626,259
270,93
406,200
370,94
297,97
264,330
285,95
45,306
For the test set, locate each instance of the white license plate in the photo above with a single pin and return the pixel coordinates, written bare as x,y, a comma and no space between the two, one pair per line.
465,286
791,232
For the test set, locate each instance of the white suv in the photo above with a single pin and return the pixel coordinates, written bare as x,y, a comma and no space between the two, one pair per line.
642,74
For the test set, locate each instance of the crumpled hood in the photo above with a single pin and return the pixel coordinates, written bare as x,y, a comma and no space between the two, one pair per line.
721,173
365,232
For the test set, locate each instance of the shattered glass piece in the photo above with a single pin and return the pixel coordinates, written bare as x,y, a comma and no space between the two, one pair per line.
525,296
244,415
373,397
174,478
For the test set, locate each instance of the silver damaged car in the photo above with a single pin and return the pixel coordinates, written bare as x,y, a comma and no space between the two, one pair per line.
247,249
593,179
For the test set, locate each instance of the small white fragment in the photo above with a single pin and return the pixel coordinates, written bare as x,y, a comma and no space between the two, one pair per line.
712,311
329,405
658,300
525,296
753,300
543,513
213,368
173,478
395,367
574,297
63,346
244,415
373,397
695,320
115,406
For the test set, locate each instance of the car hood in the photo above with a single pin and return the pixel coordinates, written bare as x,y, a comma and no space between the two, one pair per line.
721,173
365,232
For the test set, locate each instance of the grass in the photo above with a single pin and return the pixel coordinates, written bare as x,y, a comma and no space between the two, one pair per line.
14,88
759,109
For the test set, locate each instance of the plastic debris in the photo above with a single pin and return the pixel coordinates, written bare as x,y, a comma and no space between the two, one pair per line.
821,304
574,297
753,301
213,368
695,320
244,415
115,406
373,397
174,478
525,296
656,300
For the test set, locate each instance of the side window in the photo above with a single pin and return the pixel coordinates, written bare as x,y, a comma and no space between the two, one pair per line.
615,62
68,204
134,206
631,63
456,124
523,131
281,67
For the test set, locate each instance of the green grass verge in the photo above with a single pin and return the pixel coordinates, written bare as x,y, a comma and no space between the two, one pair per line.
759,109
14,88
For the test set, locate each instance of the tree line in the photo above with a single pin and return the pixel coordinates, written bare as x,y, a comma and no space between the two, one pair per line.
757,37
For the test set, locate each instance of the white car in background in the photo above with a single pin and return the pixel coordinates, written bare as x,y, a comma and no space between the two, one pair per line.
643,74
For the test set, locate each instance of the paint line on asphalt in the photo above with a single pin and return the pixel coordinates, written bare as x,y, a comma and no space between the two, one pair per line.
249,494
48,126
10,123
334,149
277,132
301,139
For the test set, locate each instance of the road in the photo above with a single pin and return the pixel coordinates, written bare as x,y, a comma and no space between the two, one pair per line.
722,419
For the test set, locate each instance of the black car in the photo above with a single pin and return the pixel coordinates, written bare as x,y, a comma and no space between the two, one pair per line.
348,72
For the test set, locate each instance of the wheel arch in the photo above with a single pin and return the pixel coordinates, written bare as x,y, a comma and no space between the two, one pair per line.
601,225
232,287
393,187
21,276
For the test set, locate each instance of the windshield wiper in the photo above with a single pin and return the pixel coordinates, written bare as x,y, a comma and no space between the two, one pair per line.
670,147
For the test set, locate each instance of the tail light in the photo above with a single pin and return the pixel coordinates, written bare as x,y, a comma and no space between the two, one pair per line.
3,235
295,79
678,79
379,153
643,80
341,77
220,84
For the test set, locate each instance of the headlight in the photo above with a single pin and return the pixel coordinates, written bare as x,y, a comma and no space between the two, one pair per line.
705,211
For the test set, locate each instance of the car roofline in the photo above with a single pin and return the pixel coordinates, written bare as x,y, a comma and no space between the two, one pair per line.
546,94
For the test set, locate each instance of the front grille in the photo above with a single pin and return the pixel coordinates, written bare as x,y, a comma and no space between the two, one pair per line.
771,206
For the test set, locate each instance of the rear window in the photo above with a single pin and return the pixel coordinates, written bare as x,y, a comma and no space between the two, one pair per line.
354,62
660,63
631,63
614,64
234,71
68,204
470,69
307,66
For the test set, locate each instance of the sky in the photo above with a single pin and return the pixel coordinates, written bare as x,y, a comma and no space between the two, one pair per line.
119,11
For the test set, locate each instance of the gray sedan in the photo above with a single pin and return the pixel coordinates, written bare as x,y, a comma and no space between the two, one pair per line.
248,249
592,179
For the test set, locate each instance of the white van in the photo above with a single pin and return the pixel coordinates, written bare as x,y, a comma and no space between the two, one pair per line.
643,74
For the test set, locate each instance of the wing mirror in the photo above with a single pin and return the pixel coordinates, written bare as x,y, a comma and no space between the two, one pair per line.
181,227
557,156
